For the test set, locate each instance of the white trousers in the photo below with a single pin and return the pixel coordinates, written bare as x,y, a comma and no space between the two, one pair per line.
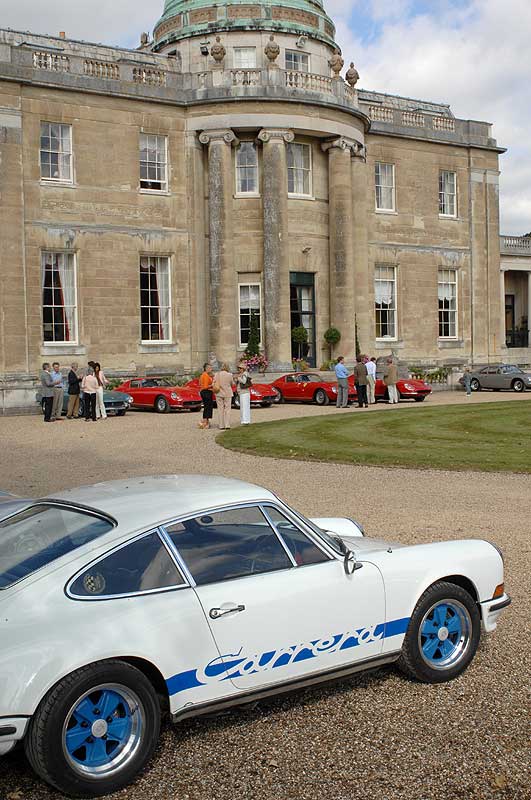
393,394
245,408
371,383
100,405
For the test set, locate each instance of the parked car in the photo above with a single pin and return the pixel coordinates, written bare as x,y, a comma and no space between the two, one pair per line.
499,376
116,402
262,394
161,394
308,387
408,389
193,593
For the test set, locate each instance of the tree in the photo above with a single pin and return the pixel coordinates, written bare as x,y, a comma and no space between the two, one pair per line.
332,337
253,345
299,336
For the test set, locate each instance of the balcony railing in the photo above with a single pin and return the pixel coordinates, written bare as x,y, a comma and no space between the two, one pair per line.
515,245
51,61
101,69
517,338
308,81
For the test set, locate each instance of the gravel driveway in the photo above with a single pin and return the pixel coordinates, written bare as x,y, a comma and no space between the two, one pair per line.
377,735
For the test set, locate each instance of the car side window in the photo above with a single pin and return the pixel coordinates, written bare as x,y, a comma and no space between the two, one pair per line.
228,544
142,566
303,550
290,379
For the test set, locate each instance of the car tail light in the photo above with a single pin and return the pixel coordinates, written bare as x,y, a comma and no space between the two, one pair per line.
499,591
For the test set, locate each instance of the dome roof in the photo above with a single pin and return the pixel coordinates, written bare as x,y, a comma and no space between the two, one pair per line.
184,18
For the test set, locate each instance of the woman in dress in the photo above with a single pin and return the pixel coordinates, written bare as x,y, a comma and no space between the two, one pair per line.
207,395
243,384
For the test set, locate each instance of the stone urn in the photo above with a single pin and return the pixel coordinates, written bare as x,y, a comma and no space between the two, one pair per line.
217,51
272,50
336,63
352,76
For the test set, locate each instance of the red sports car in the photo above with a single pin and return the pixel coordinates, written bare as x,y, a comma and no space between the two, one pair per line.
408,389
262,394
161,395
308,387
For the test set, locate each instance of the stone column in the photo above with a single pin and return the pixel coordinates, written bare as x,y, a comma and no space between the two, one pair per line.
340,206
276,247
528,309
363,279
199,279
222,274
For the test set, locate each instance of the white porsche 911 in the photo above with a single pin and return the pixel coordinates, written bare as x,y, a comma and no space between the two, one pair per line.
185,594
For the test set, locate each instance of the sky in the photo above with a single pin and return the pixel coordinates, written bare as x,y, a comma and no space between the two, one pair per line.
473,54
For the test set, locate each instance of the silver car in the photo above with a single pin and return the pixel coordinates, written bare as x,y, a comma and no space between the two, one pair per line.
499,376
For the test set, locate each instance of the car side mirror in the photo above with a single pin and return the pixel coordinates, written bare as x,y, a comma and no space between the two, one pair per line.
350,564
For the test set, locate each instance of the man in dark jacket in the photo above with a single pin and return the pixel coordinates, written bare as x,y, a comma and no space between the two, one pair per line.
47,387
73,392
360,376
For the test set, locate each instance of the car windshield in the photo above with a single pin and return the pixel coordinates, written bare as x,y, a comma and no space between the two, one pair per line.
41,534
510,369
309,379
154,382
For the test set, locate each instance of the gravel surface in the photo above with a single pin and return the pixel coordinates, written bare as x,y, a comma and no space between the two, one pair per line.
373,735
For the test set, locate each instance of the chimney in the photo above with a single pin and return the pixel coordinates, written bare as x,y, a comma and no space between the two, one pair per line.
62,35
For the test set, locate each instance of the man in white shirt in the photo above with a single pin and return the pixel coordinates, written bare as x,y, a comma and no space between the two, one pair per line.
371,379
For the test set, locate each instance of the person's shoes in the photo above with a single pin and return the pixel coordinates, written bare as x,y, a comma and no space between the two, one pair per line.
366,405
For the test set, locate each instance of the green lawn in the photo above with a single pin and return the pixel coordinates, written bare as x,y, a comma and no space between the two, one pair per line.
489,437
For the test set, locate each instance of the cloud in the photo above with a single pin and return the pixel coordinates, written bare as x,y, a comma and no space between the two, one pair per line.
473,54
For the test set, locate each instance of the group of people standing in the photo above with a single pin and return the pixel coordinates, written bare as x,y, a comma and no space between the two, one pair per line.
90,381
365,380
219,388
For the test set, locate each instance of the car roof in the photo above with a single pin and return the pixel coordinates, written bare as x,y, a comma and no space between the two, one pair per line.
142,502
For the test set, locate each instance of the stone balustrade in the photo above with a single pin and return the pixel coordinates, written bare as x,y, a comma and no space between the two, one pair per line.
54,62
101,69
515,245
150,77
412,119
245,77
308,81
427,122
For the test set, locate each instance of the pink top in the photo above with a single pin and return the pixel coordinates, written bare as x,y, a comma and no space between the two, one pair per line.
90,384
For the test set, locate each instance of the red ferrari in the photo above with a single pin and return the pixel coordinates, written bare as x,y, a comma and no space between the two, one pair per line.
308,387
262,394
408,389
161,395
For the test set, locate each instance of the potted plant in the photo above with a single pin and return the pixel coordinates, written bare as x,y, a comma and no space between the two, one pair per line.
332,337
299,336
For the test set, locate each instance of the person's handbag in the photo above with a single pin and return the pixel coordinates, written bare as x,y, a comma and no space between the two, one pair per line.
216,388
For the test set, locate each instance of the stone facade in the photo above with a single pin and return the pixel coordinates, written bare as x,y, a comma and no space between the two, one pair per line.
314,252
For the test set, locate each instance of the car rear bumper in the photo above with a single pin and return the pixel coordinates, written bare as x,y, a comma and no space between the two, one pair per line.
491,610
12,730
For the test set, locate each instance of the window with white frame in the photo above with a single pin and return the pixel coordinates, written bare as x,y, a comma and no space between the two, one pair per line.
384,179
447,290
155,303
245,57
59,298
297,62
153,162
250,306
447,194
56,152
299,169
247,168
385,302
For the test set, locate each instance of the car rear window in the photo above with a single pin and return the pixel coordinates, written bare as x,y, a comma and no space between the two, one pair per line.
40,535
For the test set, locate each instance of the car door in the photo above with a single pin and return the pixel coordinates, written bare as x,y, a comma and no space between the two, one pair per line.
288,387
492,379
280,607
304,388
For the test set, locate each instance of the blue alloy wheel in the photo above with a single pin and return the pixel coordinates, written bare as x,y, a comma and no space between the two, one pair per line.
103,730
444,634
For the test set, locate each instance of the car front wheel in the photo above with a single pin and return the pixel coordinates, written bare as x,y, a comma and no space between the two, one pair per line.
518,385
420,398
321,397
475,385
161,405
95,730
442,635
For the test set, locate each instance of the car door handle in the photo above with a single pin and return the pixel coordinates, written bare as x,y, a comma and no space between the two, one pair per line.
216,613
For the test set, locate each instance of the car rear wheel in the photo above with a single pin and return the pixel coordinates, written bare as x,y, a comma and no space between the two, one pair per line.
95,730
442,636
280,397
161,405
475,385
518,385
321,397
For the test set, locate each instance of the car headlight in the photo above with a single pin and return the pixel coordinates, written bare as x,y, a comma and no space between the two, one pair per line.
409,387
130,400
334,389
175,396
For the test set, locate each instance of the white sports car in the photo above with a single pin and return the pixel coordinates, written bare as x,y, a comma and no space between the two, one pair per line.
187,594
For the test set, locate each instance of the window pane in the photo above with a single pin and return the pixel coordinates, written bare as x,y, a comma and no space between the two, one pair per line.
245,57
142,566
228,544
153,162
385,302
384,176
39,535
299,169
303,550
155,299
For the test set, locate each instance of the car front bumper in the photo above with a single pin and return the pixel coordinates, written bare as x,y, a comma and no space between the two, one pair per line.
12,730
491,610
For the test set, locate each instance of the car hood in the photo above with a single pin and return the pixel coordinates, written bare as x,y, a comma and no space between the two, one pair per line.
366,544
113,394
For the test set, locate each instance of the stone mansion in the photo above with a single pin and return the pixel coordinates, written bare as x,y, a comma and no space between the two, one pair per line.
153,200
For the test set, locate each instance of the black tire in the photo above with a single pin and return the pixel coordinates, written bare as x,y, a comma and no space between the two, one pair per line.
45,743
420,399
475,385
121,413
518,385
266,405
415,660
321,398
280,398
161,405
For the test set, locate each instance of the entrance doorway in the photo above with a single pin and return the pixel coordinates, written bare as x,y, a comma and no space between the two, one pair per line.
302,303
